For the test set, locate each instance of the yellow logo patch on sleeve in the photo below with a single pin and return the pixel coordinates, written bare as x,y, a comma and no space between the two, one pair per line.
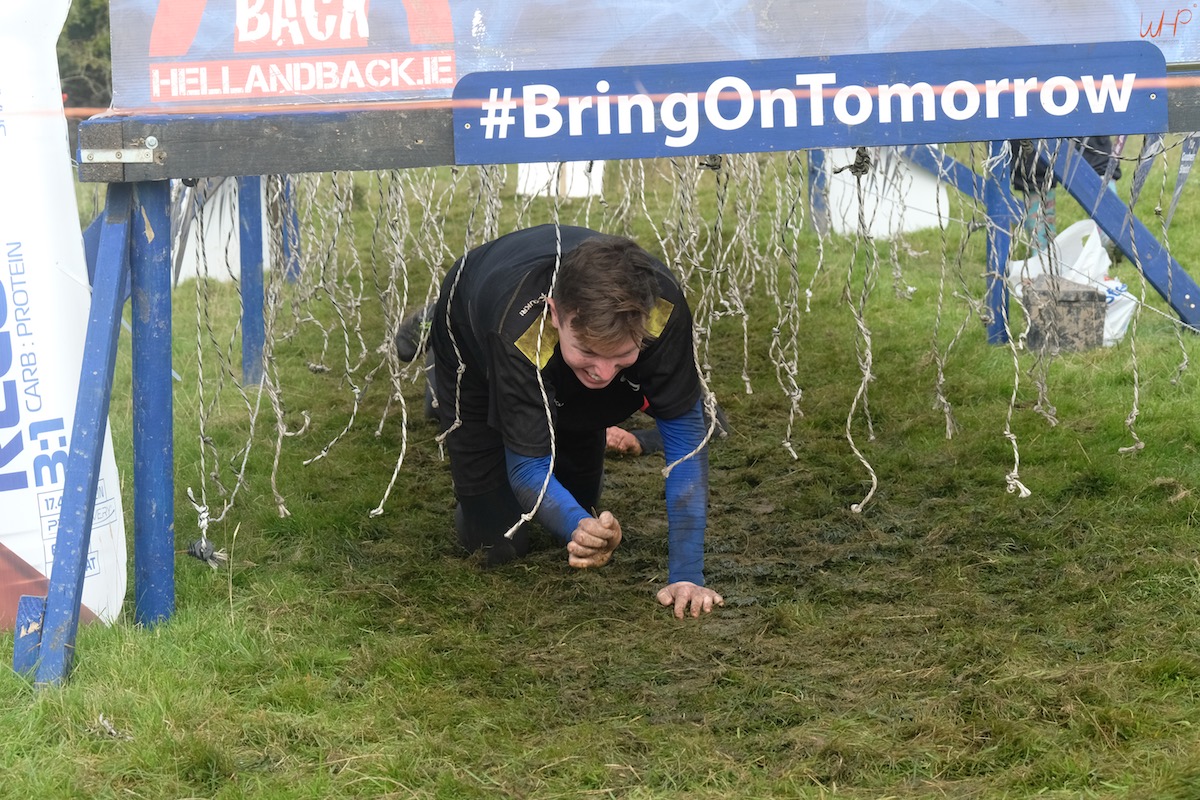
537,342
659,316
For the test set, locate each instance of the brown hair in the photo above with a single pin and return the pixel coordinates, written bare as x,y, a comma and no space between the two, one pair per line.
609,283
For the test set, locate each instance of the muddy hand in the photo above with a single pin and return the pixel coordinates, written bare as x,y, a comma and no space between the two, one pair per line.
593,542
619,440
683,594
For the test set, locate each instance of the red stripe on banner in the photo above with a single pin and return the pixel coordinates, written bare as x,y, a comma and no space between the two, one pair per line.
175,27
429,22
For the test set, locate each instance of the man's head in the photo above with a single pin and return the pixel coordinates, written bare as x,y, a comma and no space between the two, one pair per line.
605,290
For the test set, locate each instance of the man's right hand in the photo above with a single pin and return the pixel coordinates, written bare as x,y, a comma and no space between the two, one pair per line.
593,542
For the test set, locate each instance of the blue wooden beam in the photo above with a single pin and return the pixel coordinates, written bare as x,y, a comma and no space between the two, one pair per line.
818,191
1113,217
250,216
91,248
934,160
1136,241
1001,211
52,656
289,215
995,192
27,639
153,435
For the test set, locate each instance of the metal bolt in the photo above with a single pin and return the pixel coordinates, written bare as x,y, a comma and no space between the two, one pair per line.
151,142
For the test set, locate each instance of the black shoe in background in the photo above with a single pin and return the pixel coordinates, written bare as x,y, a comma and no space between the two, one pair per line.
413,333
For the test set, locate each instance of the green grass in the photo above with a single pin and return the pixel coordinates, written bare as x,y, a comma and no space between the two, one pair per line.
952,640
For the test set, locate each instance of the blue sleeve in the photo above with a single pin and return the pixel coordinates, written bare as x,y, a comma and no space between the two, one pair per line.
687,495
559,511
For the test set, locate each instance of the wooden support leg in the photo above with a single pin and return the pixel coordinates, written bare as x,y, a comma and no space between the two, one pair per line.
48,654
153,431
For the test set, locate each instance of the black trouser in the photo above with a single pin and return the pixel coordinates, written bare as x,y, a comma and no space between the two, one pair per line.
483,517
487,507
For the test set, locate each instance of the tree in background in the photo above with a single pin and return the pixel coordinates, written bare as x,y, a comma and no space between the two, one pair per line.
85,55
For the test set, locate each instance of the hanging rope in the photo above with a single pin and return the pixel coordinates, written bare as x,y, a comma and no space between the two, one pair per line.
744,235
196,211
785,334
858,307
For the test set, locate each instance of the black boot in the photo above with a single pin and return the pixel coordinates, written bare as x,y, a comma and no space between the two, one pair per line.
479,531
413,333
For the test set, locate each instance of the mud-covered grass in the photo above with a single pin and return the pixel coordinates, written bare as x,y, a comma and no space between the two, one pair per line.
951,639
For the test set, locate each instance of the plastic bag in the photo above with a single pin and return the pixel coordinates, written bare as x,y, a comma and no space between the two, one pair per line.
1076,254
1121,305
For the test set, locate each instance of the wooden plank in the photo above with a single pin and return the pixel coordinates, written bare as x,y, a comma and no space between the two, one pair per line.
102,137
290,142
944,167
268,143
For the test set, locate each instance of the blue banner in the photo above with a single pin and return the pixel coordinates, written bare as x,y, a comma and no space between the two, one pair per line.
801,103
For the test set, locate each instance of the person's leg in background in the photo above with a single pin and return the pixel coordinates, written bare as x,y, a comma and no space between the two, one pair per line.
1041,217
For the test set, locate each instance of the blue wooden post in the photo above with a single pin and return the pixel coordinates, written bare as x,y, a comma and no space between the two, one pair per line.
91,250
818,191
250,218
153,442
31,613
998,200
50,659
289,215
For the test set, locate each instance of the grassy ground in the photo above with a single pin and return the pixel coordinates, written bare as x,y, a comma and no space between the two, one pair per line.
952,640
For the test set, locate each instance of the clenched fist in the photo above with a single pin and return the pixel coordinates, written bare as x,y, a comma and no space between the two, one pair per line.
593,542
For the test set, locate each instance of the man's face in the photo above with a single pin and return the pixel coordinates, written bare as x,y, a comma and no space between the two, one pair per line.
594,365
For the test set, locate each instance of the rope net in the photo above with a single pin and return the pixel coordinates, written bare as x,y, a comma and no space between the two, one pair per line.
350,254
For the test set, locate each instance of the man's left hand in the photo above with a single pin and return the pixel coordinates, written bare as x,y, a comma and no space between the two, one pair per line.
593,542
683,594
